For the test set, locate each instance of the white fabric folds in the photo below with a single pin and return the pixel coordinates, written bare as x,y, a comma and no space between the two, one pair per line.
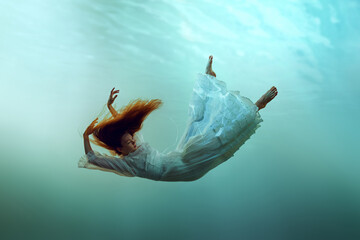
220,121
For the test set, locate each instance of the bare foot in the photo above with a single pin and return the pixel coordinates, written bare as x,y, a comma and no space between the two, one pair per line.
266,98
209,67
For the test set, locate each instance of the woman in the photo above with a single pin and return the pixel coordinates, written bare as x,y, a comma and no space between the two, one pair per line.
220,121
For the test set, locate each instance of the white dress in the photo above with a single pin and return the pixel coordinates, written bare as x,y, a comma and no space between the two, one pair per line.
220,121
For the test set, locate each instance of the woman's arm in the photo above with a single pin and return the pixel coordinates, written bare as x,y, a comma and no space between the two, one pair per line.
121,167
111,100
89,130
112,110
87,145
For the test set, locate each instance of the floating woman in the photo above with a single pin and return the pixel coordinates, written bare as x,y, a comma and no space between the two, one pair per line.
220,121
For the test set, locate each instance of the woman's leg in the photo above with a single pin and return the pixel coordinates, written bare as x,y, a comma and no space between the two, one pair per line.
266,98
261,103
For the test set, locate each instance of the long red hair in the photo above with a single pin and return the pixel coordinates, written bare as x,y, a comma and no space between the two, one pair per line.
108,132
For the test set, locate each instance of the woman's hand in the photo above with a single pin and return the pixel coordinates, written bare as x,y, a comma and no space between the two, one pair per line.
90,128
112,97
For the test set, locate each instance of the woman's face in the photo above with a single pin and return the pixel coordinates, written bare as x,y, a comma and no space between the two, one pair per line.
128,144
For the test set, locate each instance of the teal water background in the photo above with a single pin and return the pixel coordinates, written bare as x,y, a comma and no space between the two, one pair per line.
296,178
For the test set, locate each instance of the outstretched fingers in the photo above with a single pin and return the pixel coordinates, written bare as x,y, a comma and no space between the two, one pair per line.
95,121
113,92
112,97
90,129
92,125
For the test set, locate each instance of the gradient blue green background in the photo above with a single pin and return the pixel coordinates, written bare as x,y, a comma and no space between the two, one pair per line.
296,178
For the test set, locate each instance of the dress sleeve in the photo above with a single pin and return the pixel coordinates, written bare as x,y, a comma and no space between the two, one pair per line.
96,160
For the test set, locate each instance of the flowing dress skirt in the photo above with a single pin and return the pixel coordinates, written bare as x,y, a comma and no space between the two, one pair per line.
220,121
